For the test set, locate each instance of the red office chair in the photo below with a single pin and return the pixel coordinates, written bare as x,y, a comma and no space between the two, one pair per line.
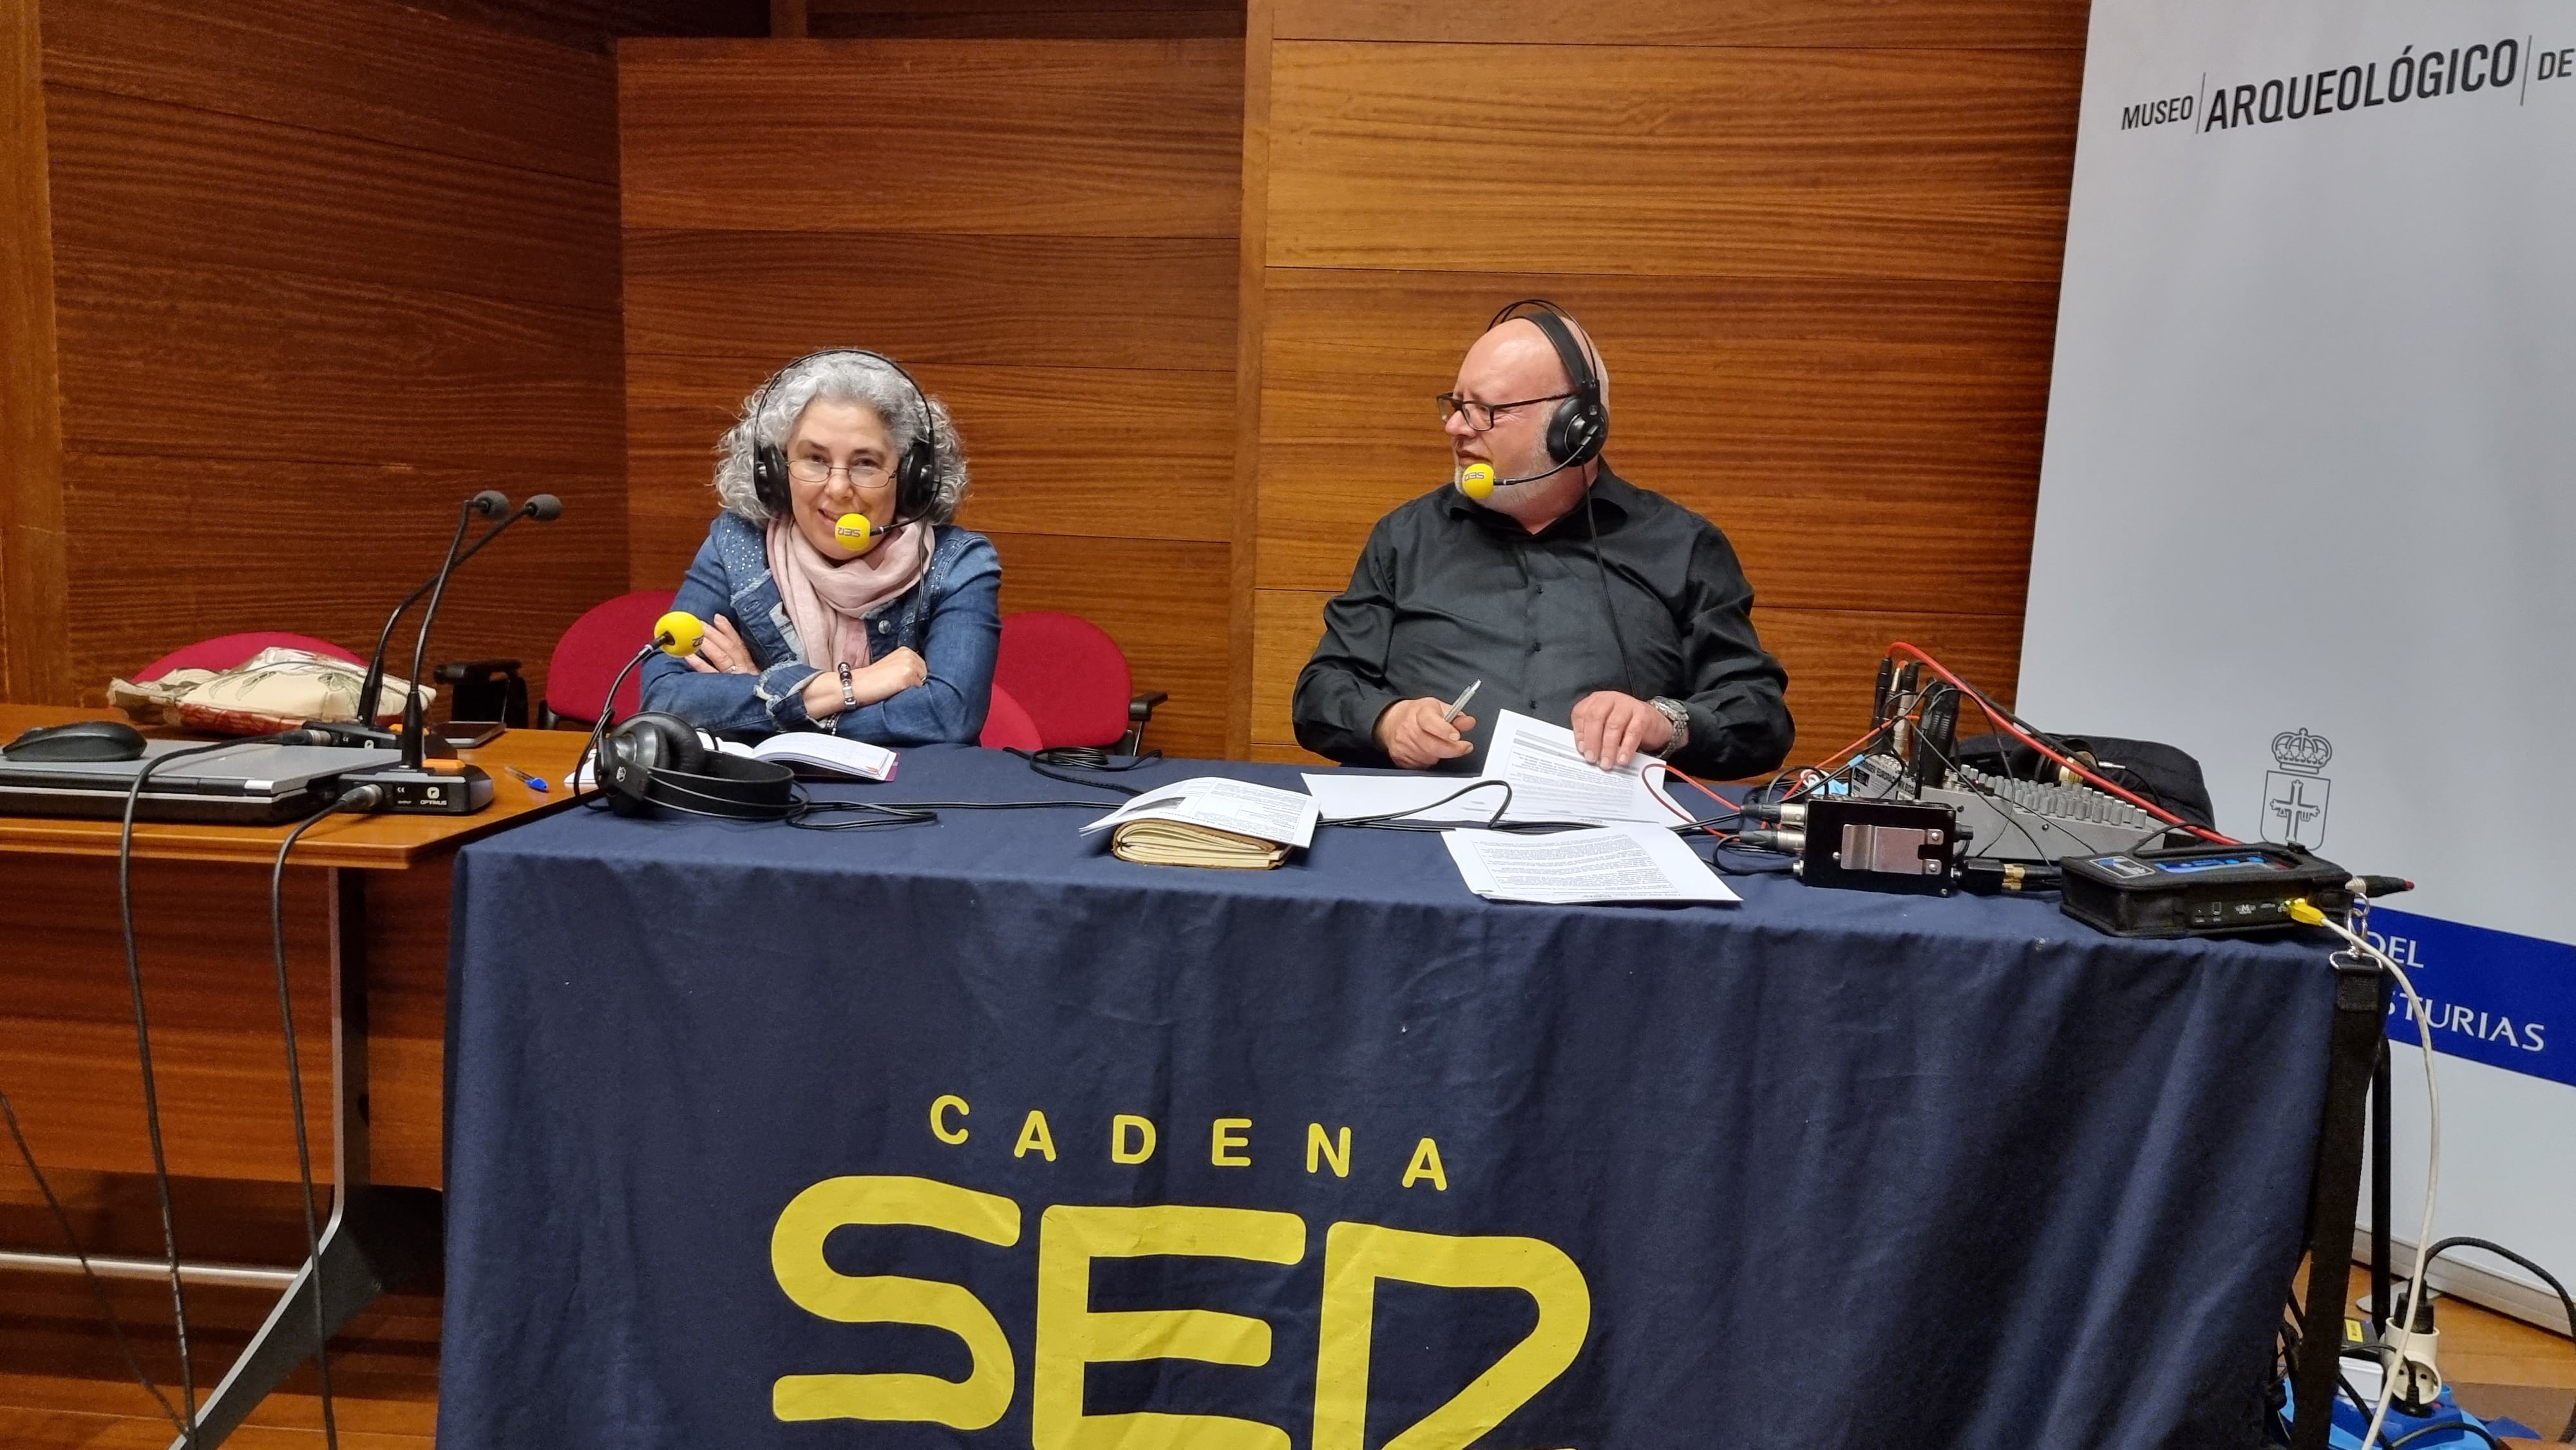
592,652
225,651
1007,725
1072,679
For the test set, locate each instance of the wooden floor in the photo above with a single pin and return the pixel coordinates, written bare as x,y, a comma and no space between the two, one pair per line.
63,1384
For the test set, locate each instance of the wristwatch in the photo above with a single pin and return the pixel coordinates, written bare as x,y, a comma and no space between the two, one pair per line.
1679,714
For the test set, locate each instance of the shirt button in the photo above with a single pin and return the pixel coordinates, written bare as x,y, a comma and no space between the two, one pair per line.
884,625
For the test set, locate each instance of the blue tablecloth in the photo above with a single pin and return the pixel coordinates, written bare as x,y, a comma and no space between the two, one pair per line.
1823,1169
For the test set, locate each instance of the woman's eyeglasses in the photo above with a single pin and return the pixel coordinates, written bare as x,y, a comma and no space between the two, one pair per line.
816,470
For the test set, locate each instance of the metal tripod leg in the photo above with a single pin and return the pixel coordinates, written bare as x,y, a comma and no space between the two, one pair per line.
2334,1194
378,1238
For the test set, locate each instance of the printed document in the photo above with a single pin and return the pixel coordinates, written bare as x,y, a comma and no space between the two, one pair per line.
1624,862
1551,781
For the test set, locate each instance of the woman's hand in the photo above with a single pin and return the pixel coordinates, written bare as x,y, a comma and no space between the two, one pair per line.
899,670
722,652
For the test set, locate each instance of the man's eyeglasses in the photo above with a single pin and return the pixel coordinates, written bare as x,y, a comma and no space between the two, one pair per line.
816,470
1480,416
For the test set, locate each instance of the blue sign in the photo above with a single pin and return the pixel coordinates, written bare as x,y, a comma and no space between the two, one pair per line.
2494,997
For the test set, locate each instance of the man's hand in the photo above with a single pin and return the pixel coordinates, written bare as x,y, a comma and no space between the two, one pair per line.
1609,727
722,651
1414,736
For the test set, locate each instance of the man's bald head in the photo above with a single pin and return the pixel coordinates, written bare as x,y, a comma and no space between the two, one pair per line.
1517,360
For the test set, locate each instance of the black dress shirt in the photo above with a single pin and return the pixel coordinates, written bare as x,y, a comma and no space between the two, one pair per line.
1448,592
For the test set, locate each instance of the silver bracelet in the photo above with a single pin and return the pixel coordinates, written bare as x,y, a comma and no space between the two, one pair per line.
849,696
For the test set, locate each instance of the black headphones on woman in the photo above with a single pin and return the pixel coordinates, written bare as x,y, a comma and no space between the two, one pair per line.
655,759
1580,426
916,473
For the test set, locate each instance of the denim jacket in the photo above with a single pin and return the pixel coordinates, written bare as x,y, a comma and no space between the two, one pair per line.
952,618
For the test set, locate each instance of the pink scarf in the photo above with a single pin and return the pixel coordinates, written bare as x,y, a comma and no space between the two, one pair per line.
826,598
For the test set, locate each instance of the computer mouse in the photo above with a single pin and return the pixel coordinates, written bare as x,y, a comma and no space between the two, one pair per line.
79,740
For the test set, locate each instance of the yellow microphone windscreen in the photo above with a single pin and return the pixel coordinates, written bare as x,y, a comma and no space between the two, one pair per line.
1477,480
678,632
853,531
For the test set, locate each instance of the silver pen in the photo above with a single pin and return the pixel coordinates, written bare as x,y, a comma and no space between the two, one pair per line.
1451,714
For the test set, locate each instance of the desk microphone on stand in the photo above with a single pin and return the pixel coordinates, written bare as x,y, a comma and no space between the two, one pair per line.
363,731
413,787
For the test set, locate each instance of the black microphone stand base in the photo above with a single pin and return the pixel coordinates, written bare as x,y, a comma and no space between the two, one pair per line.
410,792
350,733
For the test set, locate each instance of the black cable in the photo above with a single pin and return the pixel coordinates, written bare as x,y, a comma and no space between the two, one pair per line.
143,1059
2441,1246
1395,819
361,796
2447,1427
71,1236
1050,772
1091,757
1627,675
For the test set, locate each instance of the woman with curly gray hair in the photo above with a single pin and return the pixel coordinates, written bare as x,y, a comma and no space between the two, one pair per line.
837,594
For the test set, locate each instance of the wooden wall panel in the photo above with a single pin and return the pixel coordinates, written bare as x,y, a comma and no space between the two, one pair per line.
321,268
33,662
1036,138
1817,240
1981,24
1022,19
1856,438
1671,161
1092,302
314,64
67,1049
1056,263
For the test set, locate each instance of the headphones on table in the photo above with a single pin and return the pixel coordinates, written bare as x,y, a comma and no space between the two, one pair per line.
1580,426
916,473
657,760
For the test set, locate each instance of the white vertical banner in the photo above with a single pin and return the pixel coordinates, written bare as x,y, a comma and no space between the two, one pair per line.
2308,505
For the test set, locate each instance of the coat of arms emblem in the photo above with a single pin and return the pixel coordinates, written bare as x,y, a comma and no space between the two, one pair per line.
2294,796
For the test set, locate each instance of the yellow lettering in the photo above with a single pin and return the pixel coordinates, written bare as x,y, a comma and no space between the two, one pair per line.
1034,1137
1070,1335
1119,1127
1426,1164
1357,1255
813,1285
940,1108
1224,1140
1320,1147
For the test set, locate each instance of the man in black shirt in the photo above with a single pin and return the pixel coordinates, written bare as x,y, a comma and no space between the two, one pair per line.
1571,594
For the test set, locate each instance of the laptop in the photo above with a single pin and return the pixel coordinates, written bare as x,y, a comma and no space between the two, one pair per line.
247,785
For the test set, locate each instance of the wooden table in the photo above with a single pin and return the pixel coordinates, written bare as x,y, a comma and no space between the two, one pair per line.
366,906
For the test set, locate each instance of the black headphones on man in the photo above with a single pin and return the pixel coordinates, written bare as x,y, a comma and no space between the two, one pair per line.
655,759
916,473
1580,426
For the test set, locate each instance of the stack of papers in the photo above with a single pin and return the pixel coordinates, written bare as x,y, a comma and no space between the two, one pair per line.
1549,780
1609,863
1211,821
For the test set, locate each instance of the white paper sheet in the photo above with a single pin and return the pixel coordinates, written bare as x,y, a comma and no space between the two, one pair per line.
1348,796
1259,811
1551,781
1625,862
